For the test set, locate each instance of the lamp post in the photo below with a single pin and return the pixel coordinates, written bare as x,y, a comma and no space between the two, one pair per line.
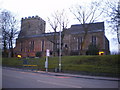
60,47
60,51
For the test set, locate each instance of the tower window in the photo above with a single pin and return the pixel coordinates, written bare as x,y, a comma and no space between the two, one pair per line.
79,43
21,46
32,46
94,40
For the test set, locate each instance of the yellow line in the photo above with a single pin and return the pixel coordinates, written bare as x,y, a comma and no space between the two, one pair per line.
29,65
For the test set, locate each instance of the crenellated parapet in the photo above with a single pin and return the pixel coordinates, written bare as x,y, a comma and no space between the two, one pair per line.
32,25
32,18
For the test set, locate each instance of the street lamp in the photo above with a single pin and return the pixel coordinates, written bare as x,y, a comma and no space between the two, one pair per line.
60,52
60,47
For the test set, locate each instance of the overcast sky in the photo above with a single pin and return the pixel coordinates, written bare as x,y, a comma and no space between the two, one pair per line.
44,9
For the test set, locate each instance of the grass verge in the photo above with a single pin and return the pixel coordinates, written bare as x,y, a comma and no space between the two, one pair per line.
107,65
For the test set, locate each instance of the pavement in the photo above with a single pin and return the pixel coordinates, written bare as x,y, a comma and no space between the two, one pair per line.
80,76
68,75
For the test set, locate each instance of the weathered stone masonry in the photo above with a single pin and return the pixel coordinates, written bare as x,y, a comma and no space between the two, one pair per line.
32,38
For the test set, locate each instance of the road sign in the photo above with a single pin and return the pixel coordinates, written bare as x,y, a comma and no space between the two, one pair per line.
48,52
25,61
30,64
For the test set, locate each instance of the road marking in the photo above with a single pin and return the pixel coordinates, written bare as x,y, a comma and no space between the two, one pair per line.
22,72
46,75
72,86
60,77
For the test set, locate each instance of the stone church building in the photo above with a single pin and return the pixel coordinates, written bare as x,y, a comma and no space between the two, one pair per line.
33,39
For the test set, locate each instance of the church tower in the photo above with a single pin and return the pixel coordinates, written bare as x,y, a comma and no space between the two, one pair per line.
32,26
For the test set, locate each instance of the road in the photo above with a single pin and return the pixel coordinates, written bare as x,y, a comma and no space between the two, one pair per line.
26,79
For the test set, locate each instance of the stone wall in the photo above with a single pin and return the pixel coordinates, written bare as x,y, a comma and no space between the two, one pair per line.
33,39
32,26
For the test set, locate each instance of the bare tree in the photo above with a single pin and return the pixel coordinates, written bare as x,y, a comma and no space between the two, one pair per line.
9,31
54,25
112,9
87,14
58,21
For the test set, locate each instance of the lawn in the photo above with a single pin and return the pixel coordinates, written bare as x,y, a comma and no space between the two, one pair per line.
93,65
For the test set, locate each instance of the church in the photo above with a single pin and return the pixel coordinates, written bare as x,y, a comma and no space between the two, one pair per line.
32,39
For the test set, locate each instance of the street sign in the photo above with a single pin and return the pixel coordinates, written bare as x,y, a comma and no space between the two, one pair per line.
30,64
25,61
48,52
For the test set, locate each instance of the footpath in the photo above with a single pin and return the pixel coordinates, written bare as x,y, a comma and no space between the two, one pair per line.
79,76
66,74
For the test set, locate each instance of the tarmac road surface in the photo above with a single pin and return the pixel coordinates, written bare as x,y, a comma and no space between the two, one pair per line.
14,78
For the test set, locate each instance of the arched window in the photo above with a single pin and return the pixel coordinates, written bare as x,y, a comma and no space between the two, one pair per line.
94,39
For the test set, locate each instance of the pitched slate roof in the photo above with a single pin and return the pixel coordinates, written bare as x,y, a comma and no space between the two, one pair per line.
40,35
92,27
74,29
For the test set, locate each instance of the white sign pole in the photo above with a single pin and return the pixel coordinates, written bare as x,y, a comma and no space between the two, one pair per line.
46,62
48,52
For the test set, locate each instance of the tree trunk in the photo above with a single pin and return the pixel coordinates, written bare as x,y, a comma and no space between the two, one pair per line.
5,49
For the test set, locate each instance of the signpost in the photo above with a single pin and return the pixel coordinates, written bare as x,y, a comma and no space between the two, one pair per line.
46,62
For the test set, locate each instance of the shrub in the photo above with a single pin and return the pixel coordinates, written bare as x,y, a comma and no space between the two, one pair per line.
38,54
74,53
92,50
